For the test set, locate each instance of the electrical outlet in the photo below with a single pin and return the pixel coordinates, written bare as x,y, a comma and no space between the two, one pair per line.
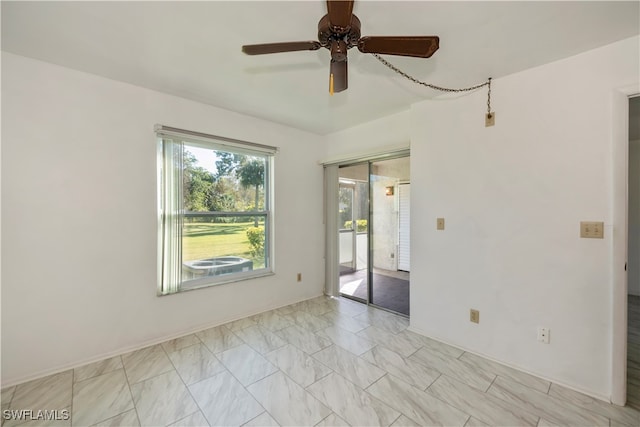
592,229
474,316
543,334
440,224
299,277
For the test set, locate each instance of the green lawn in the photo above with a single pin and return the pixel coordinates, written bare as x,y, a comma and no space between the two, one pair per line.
203,240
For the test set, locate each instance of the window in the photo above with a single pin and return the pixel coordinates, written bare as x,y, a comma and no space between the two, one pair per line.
214,210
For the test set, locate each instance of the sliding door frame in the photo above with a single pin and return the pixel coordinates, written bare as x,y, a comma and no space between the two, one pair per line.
332,185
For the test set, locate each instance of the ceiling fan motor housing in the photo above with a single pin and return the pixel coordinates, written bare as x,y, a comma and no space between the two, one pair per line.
338,39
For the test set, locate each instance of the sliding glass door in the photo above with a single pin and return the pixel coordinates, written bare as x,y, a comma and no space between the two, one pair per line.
353,246
389,234
373,241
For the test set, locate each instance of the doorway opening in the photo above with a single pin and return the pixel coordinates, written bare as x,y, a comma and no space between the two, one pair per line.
374,233
353,225
633,256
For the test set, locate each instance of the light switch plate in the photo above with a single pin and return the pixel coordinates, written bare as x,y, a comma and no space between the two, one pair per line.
440,224
592,229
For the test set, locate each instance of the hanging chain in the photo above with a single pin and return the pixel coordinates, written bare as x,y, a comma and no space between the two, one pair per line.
489,98
429,85
440,88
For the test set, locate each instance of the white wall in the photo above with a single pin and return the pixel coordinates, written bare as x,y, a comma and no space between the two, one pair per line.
384,220
513,196
79,219
386,134
633,278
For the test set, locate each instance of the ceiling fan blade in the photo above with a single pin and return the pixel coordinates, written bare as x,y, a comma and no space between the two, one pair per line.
338,76
417,46
340,12
261,49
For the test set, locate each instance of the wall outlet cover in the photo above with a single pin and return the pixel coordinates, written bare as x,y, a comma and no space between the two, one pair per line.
592,229
543,334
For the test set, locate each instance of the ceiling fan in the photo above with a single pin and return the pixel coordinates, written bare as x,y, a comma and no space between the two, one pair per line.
338,31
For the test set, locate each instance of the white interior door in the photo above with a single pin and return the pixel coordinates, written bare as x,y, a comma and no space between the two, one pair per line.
404,235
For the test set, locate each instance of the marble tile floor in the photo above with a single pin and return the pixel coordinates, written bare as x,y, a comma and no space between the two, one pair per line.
321,362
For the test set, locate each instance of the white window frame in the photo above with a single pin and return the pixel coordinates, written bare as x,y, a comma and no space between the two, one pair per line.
170,143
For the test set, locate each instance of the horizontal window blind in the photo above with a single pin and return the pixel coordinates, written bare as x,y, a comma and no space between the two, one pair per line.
220,141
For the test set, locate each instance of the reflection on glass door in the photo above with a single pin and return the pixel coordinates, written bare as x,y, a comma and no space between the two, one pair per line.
389,220
353,221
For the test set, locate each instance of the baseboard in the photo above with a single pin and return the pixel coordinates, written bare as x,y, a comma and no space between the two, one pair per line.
139,346
512,366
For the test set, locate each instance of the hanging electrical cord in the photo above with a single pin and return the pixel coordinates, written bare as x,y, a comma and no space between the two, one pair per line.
440,88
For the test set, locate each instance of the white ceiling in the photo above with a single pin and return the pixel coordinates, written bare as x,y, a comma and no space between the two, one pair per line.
192,49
